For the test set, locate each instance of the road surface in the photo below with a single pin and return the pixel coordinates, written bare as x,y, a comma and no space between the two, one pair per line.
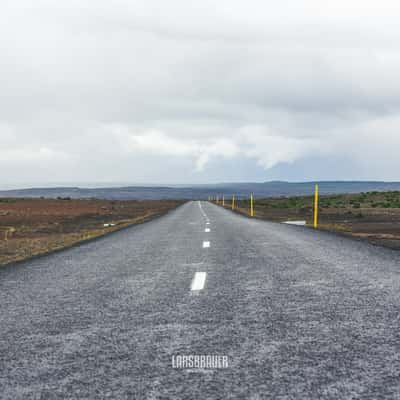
298,314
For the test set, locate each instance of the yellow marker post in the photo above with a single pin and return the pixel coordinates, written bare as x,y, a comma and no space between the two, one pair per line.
251,205
223,201
233,202
217,199
316,207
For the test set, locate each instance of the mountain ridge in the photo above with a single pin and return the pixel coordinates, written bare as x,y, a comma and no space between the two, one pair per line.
202,191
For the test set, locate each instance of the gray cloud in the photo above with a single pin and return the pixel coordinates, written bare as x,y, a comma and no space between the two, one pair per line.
165,91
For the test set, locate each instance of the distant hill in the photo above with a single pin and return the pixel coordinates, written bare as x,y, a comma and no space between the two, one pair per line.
266,189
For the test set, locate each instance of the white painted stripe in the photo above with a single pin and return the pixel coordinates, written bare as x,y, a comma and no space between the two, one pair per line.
208,223
206,244
199,281
301,223
202,211
207,230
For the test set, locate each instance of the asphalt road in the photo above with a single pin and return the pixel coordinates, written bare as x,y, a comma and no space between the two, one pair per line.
299,314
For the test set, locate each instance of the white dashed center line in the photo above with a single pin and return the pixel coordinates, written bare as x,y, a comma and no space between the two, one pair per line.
199,281
204,214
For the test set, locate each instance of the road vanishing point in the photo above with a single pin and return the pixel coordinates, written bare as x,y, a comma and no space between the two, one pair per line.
298,314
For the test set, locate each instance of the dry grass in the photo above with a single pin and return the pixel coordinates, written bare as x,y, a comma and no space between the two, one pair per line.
372,216
30,227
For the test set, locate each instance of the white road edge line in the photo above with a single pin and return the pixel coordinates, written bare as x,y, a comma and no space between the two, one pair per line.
206,244
207,230
198,281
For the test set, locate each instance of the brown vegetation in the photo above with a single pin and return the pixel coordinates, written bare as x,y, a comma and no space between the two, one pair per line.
372,216
29,227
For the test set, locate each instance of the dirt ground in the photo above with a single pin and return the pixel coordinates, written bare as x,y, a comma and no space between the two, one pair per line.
29,227
372,216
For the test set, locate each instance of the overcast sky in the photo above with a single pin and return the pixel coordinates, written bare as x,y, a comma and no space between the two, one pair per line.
198,91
